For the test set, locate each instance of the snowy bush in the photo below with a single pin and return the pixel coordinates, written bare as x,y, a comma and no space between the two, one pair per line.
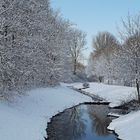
86,85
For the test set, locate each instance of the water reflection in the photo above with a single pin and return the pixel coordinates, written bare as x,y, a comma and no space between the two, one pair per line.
100,121
85,122
67,126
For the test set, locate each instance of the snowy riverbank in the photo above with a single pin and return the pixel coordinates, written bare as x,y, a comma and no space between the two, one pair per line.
116,95
26,118
126,126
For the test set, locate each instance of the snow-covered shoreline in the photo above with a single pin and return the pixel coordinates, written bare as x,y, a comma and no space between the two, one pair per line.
126,126
27,117
113,94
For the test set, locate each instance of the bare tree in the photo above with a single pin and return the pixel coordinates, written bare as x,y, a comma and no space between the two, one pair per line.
77,45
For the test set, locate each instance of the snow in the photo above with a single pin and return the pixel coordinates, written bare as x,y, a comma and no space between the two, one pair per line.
111,93
114,114
127,126
26,118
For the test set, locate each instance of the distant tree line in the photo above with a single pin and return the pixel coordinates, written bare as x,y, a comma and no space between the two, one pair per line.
117,62
37,46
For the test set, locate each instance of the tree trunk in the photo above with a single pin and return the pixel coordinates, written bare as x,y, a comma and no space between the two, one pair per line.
75,67
137,85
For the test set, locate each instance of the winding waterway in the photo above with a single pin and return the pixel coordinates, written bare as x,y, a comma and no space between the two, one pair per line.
84,122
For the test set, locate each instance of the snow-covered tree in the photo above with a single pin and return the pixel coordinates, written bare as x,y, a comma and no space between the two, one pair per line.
103,58
34,45
130,50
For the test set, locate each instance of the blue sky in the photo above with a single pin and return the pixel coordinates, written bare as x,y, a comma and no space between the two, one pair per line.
93,16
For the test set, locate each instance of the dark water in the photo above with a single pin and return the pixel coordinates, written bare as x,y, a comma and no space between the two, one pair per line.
85,122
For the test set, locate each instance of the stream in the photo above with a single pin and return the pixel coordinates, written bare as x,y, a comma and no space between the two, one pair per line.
83,122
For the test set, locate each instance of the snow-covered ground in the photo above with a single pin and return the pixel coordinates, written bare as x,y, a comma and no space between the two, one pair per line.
111,93
26,118
127,126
